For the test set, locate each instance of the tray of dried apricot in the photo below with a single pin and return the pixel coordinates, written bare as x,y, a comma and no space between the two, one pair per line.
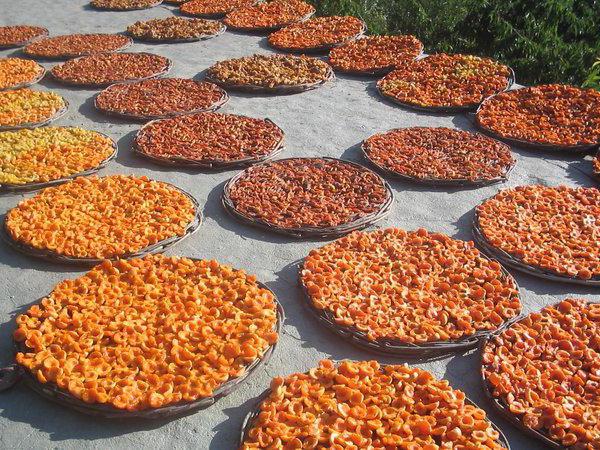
269,16
317,35
439,156
112,217
445,83
375,55
548,232
75,45
19,35
42,157
17,73
411,294
175,29
104,69
209,141
308,197
596,166
542,374
271,74
358,404
144,346
26,108
124,5
159,98
213,9
549,117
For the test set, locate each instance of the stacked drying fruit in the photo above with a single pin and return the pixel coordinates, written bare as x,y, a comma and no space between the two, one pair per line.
364,405
107,217
17,72
269,15
147,333
545,369
50,153
73,45
24,107
174,29
213,8
18,35
444,81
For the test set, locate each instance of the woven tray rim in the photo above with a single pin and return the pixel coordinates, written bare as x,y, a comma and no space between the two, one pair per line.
201,37
31,82
446,109
516,263
54,393
43,34
138,117
457,182
219,15
158,74
137,8
57,115
397,347
499,405
250,29
215,164
6,187
67,56
324,47
531,145
279,89
306,232
249,419
158,247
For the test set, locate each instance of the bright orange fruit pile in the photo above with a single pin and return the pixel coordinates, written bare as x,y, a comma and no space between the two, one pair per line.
124,5
25,106
442,80
73,45
316,33
213,7
375,53
147,332
546,370
548,114
103,217
413,287
440,154
363,405
18,71
16,35
272,14
553,228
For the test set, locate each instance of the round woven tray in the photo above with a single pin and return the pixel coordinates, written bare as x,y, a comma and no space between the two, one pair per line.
67,56
396,347
444,109
310,232
281,89
108,83
248,422
201,37
57,115
26,83
373,73
136,117
272,28
211,15
26,41
52,392
518,264
54,257
41,185
458,182
104,8
322,48
581,148
212,164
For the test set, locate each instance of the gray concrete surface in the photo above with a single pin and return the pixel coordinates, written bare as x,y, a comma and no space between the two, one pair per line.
329,121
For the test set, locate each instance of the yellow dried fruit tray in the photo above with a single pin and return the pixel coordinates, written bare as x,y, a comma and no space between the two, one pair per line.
9,115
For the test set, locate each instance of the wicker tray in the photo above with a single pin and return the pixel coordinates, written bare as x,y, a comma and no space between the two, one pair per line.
322,48
26,41
281,89
459,182
518,264
396,347
581,148
45,184
54,257
104,8
248,422
272,28
202,37
444,109
212,164
310,232
373,73
106,84
67,56
27,83
11,375
211,15
57,115
135,117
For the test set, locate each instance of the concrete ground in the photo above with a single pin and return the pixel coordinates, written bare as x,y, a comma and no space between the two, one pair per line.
330,121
